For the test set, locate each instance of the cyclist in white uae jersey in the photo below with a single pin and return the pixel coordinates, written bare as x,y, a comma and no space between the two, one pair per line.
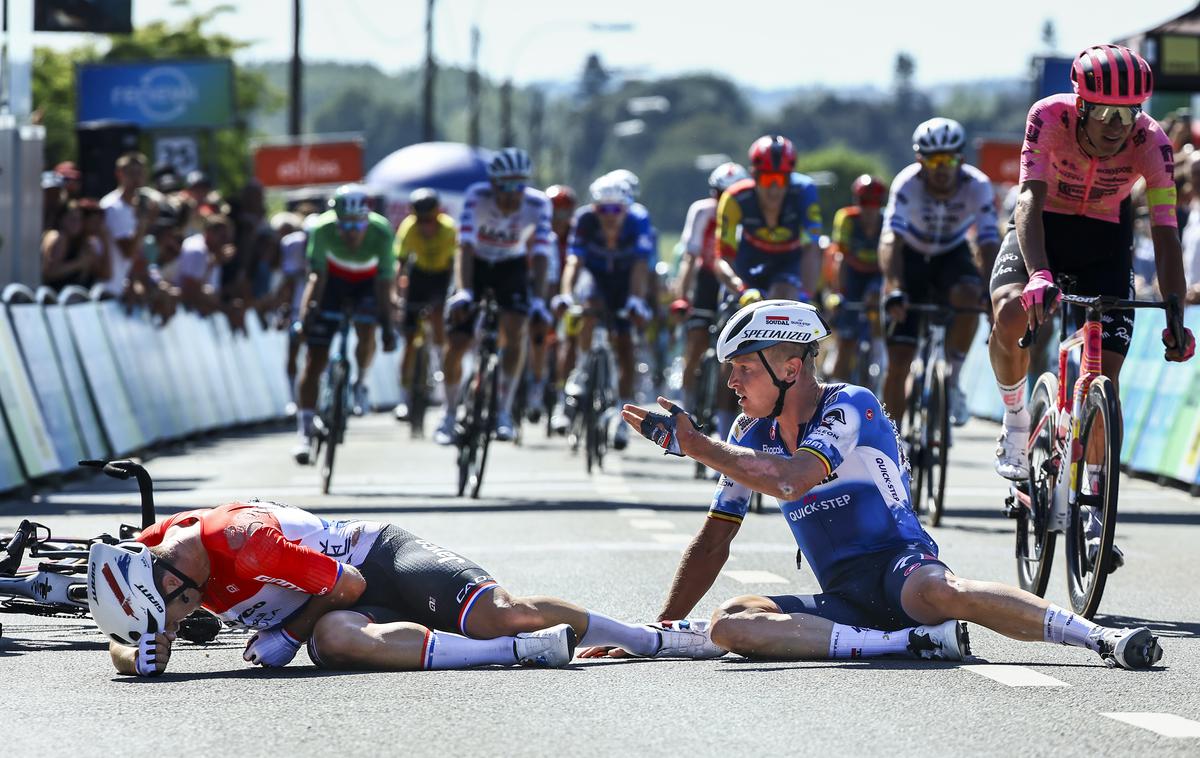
831,457
925,254
363,594
506,246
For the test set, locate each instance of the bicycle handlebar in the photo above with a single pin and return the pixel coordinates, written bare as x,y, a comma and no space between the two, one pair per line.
124,469
1102,303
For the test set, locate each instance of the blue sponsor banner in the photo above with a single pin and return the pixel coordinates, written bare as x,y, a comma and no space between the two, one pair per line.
157,94
1053,76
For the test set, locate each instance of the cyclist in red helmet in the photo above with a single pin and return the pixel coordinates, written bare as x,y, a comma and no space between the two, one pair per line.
768,225
563,203
855,236
1083,153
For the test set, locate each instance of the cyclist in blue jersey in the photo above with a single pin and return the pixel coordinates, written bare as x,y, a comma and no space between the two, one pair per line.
832,458
614,247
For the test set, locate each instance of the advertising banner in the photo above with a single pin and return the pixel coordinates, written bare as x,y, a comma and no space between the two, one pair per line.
308,164
82,408
25,420
157,94
46,379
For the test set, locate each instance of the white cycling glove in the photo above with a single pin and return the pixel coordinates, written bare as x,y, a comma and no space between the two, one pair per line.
145,662
272,647
562,301
538,311
637,307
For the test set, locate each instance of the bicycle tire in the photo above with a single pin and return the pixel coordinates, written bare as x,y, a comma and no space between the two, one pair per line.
466,437
519,406
1035,539
937,446
604,402
1086,583
491,389
337,422
419,390
591,413
914,436
706,399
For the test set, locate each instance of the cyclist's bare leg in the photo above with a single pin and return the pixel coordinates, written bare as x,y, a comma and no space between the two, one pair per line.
364,351
512,355
293,354
537,350
781,290
350,640
315,359
406,357
933,594
499,614
752,625
623,347
895,385
962,331
1010,363
697,343
457,345
437,323
847,353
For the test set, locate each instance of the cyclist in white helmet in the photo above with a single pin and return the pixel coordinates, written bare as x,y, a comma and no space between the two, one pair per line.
506,246
926,256
832,458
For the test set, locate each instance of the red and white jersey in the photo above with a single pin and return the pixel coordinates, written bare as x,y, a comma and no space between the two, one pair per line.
498,236
267,559
700,232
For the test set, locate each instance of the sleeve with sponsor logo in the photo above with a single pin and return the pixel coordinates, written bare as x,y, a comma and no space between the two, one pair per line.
380,239
1156,162
318,246
843,230
405,239
693,230
729,218
731,501
1035,158
895,215
268,557
466,219
541,243
812,214
646,246
987,225
836,434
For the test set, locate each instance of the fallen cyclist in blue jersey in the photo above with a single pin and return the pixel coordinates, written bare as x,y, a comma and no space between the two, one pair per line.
831,457
360,594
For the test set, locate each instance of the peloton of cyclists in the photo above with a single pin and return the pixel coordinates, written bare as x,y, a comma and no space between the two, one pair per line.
855,240
505,247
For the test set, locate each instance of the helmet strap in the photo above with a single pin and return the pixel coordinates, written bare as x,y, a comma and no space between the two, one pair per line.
780,385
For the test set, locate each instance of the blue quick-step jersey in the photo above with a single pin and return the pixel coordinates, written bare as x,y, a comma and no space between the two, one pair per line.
862,505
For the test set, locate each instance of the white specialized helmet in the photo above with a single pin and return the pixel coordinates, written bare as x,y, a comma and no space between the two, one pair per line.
939,135
632,184
761,325
608,189
122,597
726,175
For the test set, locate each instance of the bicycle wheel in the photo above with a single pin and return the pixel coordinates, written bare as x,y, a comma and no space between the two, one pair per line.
592,412
604,404
467,439
1099,428
336,428
1035,540
706,399
419,390
914,436
490,389
935,418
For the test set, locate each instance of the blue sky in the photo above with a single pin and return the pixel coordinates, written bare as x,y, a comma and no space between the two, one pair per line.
763,44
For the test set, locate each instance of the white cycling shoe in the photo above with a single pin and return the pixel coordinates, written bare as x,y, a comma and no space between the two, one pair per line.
959,415
1130,648
553,647
362,403
947,641
686,638
303,450
1012,461
445,431
505,429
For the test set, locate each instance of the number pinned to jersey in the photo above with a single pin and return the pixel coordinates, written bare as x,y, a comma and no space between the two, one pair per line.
870,414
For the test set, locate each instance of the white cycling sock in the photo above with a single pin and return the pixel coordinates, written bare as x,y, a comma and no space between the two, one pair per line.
602,630
444,650
508,388
1065,628
857,642
955,361
451,397
1016,415
304,421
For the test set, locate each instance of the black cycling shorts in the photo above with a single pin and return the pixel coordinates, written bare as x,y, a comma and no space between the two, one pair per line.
760,270
1098,254
425,289
706,296
509,282
411,579
929,279
320,329
609,292
867,592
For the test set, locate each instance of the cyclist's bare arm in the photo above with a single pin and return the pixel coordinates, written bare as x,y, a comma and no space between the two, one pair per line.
728,277
810,266
313,289
687,277
702,560
464,267
383,298
345,593
785,478
891,261
985,258
637,279
1168,260
566,285
541,268
1031,233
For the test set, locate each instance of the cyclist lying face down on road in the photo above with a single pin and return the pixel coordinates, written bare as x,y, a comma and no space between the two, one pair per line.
831,457
361,594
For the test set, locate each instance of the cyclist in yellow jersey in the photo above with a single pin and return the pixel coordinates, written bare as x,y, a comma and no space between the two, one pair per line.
425,245
855,235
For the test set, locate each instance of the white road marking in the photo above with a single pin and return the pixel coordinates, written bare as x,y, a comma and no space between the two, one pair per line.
651,523
1015,676
637,512
755,577
1166,724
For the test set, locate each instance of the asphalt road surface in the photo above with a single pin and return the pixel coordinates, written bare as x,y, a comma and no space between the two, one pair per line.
610,542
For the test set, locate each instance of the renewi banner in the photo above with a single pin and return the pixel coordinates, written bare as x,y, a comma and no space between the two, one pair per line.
158,94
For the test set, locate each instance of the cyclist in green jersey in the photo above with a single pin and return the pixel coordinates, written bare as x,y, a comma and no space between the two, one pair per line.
351,263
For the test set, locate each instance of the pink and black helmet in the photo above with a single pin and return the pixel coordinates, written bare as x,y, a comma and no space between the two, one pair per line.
1112,75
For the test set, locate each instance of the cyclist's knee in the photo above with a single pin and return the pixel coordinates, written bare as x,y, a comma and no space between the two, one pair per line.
966,294
1011,321
336,637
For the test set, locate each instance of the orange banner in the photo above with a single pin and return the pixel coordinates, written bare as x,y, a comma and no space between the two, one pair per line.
1000,160
302,165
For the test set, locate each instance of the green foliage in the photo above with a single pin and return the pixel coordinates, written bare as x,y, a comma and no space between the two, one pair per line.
54,86
844,166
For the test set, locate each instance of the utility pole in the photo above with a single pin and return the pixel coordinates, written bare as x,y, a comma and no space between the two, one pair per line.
296,77
507,137
427,130
537,113
473,90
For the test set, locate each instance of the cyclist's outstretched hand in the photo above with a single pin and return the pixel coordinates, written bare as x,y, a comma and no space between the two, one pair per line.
1173,351
663,429
602,651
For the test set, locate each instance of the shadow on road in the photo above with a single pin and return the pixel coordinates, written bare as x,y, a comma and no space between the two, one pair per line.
1158,626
